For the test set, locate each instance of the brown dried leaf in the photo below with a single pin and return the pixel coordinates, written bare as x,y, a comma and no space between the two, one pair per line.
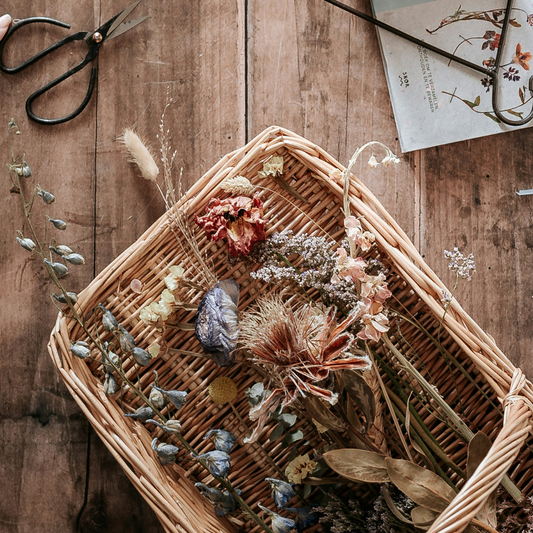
361,394
317,410
422,486
423,517
358,465
478,448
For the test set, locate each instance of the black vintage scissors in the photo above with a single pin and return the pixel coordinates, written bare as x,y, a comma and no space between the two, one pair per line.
112,28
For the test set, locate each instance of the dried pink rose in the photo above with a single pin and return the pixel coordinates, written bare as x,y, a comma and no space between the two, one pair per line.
239,219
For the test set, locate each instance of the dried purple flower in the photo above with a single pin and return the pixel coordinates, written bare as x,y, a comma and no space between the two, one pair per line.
282,491
165,452
217,462
223,440
176,397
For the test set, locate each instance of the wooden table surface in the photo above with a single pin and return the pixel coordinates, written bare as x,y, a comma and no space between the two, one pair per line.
233,67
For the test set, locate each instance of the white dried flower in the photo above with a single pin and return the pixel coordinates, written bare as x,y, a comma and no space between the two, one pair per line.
389,160
176,275
237,186
154,350
462,265
373,162
140,154
336,175
273,167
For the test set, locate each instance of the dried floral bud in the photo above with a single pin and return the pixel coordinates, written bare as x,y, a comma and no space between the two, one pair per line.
63,249
222,390
59,268
157,398
140,155
111,361
237,186
58,223
279,524
282,491
165,452
336,175
26,243
142,357
80,349
389,160
127,342
71,296
373,162
110,384
217,462
175,397
223,440
305,517
24,170
154,350
48,197
108,319
170,426
223,501
136,286
142,413
75,259
176,275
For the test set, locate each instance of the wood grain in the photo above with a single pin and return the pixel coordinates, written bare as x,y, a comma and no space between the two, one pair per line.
232,68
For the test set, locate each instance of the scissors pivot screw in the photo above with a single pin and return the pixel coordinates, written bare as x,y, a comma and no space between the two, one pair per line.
97,37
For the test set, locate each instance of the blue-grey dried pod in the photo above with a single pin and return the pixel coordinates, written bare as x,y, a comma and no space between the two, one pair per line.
80,350
157,397
72,297
170,426
58,223
127,342
108,319
26,243
282,491
176,397
279,524
217,462
141,357
111,361
110,384
165,452
223,501
59,268
142,413
83,343
63,249
305,517
48,197
217,321
26,170
223,440
75,259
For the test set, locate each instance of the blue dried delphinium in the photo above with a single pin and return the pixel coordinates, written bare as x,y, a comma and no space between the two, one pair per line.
142,413
223,440
170,426
108,318
223,501
217,321
282,491
176,397
217,462
305,517
165,452
280,524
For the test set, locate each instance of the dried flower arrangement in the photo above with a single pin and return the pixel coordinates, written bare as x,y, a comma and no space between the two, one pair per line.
313,335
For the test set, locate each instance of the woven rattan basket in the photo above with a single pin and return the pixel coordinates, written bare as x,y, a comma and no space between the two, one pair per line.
170,490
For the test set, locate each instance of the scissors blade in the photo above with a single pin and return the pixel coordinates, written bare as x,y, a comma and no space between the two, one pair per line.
125,26
119,19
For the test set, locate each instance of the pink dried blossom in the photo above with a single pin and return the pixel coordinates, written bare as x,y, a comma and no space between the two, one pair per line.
348,267
374,287
375,323
355,233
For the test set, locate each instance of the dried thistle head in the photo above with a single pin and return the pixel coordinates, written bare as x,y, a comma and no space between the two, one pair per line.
140,154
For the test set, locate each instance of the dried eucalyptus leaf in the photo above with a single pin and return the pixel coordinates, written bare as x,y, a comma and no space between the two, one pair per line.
317,410
478,448
293,436
277,432
287,419
358,465
423,517
422,486
361,394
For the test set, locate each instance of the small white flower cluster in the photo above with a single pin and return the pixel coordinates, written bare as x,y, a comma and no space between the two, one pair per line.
462,265
389,160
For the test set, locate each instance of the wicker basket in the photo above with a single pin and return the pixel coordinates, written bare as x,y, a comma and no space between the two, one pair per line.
170,490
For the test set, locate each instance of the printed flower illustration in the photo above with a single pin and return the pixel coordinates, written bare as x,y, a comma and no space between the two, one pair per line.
492,40
530,19
239,219
512,74
522,58
487,82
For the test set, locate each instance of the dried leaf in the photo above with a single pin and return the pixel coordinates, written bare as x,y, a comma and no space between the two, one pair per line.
358,465
284,185
321,413
361,394
478,448
413,442
422,486
423,517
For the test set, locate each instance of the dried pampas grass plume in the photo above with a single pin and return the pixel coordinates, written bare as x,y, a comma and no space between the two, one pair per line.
140,154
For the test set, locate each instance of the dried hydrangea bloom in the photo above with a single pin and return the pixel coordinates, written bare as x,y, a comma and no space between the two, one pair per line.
239,220
299,468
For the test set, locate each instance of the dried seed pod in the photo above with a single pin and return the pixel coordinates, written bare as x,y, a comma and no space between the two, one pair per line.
71,296
108,319
223,440
165,452
80,349
58,223
157,398
142,357
176,397
127,342
279,524
142,413
170,426
63,249
48,197
110,384
223,501
26,170
111,361
282,491
26,243
217,462
74,259
59,268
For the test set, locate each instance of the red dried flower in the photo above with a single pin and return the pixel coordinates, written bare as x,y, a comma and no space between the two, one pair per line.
239,219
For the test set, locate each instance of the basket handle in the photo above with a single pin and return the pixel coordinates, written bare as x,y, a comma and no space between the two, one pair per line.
517,425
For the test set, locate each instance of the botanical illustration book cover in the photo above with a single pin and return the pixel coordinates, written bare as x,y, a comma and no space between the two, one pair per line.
436,101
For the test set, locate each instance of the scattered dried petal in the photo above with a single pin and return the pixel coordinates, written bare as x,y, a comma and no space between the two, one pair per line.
136,286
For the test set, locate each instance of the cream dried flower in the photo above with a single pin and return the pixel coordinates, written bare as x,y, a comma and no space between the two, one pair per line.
154,350
140,154
373,162
273,167
237,186
176,275
299,468
336,176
